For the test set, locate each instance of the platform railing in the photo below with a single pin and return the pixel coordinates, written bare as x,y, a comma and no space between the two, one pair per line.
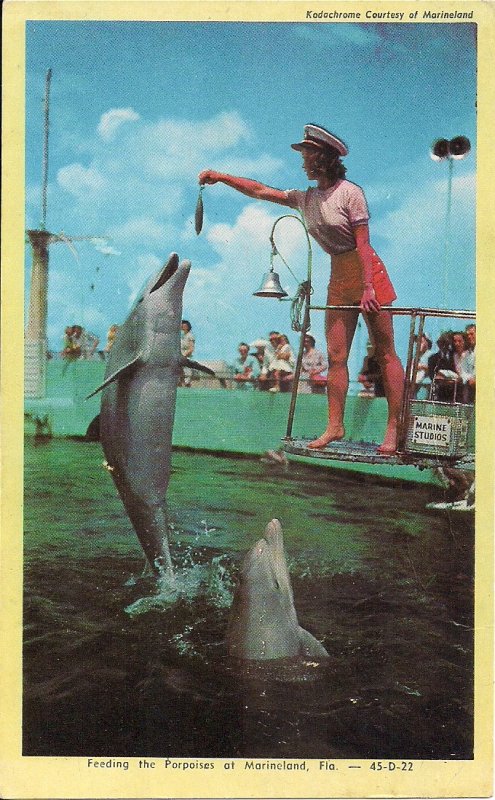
417,314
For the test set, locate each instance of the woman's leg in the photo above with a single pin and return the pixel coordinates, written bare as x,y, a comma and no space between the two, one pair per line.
340,327
276,378
381,331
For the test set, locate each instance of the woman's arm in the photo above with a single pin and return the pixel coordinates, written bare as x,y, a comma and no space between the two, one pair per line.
365,252
246,186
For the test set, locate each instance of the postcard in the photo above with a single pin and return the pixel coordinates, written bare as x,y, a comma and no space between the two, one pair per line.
245,552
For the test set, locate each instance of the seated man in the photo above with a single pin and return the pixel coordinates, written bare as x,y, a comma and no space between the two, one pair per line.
246,368
441,370
370,376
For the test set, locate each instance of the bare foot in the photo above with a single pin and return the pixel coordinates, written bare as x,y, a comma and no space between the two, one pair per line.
332,435
389,444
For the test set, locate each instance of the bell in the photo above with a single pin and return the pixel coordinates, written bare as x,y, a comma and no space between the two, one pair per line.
270,286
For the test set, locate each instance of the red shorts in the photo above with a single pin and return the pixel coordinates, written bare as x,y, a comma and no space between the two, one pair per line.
346,281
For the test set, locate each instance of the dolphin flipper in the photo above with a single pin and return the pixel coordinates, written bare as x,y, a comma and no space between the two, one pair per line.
310,646
186,362
115,375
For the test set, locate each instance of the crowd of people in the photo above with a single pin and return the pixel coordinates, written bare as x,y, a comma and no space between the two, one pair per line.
446,375
451,371
269,364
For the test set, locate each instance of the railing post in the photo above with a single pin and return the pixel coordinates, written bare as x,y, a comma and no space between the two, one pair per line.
297,373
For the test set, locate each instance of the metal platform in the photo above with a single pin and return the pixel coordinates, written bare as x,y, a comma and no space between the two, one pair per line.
367,453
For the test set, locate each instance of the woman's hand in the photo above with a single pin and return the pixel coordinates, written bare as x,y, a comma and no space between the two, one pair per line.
368,300
208,176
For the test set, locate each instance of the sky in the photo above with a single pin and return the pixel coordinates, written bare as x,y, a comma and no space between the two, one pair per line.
138,109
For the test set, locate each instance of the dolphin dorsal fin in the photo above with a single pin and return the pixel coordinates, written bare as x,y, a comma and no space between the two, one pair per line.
117,374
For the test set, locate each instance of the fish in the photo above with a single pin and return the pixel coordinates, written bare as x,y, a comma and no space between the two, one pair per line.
198,214
138,407
263,622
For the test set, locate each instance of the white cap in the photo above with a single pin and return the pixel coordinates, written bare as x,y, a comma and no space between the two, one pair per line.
316,136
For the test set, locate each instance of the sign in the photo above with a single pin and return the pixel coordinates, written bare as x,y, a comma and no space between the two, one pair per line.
435,431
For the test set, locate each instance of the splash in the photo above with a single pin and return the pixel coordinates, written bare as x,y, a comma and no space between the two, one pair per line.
211,581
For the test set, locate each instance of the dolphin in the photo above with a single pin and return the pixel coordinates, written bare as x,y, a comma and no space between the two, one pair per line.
263,622
138,407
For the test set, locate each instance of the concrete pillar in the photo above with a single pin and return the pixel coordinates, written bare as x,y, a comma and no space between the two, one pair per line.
35,337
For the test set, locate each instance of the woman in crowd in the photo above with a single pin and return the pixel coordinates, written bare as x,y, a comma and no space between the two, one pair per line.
312,365
282,365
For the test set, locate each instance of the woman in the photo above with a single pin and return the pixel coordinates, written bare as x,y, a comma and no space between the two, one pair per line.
313,363
336,215
187,345
282,365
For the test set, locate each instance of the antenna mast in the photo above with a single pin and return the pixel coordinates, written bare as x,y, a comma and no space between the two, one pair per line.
44,183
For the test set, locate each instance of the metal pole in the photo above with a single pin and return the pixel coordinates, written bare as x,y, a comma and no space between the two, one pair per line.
44,181
297,373
447,231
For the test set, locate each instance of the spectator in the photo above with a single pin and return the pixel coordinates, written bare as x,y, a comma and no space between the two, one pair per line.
470,333
282,366
187,345
112,332
246,368
79,343
258,351
464,367
313,364
370,376
268,356
441,369
71,350
422,378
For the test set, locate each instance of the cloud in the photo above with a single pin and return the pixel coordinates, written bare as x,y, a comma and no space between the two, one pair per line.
144,266
138,230
138,187
418,241
173,149
80,181
111,121
219,300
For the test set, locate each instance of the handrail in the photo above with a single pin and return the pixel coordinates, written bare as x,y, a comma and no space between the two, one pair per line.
412,356
406,311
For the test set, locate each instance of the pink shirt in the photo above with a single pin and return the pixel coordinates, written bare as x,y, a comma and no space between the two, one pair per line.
332,214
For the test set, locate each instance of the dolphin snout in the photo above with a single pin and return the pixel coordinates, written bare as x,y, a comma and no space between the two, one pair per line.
273,534
167,271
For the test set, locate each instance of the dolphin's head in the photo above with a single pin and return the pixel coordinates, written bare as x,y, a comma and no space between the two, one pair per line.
265,563
263,622
153,325
161,299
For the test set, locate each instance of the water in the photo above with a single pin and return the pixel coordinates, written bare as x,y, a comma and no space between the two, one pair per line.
384,583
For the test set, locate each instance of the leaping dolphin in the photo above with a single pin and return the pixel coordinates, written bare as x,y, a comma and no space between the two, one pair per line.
138,407
263,622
